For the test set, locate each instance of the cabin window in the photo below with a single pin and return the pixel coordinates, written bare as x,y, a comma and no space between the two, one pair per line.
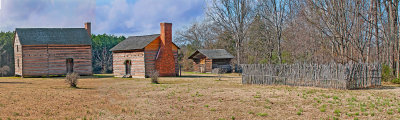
128,65
70,65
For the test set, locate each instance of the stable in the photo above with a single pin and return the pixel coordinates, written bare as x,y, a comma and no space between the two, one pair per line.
140,56
52,51
205,60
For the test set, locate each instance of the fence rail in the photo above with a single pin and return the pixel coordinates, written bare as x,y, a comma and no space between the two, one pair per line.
338,76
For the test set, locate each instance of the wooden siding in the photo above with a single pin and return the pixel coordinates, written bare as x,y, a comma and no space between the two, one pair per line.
206,66
17,56
175,50
137,59
176,61
41,60
217,62
150,60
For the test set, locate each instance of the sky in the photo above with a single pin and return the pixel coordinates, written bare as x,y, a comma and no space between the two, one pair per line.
118,17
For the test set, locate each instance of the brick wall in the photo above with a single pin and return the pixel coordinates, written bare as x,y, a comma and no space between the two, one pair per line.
165,62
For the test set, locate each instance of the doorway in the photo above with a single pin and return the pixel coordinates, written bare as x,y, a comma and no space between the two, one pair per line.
70,65
202,65
128,65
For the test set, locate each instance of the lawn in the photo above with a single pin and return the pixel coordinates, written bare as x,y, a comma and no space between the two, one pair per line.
193,96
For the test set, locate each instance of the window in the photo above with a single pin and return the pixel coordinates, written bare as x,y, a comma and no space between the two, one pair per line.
17,48
18,62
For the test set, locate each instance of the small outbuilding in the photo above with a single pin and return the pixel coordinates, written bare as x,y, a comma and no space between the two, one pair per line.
205,60
139,56
52,51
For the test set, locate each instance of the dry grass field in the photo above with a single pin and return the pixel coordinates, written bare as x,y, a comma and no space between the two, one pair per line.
199,96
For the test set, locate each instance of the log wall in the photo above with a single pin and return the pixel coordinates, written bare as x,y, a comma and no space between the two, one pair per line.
207,66
218,62
44,60
137,59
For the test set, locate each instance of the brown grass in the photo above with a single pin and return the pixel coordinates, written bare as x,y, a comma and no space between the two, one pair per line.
190,97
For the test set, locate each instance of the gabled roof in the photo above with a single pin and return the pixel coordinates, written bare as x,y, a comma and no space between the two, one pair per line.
213,54
136,42
55,36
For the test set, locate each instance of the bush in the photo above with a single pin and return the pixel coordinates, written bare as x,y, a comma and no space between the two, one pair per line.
387,73
154,77
395,81
72,79
4,70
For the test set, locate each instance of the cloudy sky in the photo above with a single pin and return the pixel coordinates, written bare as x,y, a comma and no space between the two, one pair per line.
119,17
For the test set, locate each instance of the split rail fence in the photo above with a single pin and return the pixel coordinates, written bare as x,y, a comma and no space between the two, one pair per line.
338,76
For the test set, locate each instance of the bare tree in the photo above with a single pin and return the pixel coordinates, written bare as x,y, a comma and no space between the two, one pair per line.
4,69
103,58
234,16
198,35
276,13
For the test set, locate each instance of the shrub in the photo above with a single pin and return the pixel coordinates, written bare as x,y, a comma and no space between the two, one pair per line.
387,73
4,70
154,77
72,79
395,81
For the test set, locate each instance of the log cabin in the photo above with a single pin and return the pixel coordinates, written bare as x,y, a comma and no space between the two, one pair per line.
205,60
139,56
52,51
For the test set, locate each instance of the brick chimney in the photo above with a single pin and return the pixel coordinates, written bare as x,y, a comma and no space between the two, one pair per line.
88,28
166,62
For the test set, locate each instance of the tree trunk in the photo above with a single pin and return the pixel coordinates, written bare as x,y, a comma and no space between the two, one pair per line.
377,29
370,25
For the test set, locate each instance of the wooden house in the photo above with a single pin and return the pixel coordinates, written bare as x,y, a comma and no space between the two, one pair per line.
52,51
139,56
205,60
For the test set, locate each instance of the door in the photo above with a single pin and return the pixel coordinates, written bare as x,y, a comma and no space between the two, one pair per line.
128,65
203,65
70,65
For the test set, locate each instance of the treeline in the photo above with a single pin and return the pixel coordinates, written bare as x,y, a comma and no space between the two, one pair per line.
101,56
299,31
6,53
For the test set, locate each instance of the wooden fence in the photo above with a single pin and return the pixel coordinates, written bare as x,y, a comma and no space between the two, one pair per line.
338,76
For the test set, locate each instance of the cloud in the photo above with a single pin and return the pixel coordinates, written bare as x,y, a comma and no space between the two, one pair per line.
45,13
144,16
120,17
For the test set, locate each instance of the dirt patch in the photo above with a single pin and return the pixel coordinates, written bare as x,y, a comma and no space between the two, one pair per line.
194,96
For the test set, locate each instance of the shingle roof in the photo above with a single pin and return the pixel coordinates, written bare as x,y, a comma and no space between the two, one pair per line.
57,36
213,53
136,42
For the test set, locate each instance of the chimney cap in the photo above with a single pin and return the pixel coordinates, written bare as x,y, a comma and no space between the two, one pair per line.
87,22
